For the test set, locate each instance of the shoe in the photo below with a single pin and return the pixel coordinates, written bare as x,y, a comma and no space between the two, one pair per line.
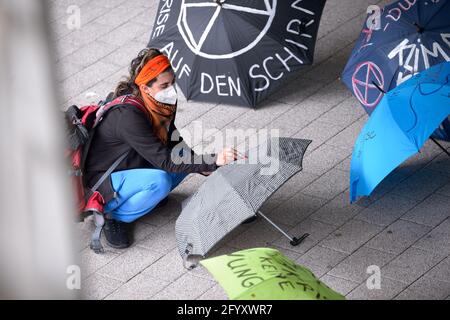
250,220
117,234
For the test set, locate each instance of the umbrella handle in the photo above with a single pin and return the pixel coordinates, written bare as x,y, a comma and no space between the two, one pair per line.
293,241
378,87
296,241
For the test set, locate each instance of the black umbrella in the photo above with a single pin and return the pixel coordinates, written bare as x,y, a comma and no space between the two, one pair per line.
235,193
236,51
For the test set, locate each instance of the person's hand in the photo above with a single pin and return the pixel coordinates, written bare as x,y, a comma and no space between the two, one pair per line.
227,156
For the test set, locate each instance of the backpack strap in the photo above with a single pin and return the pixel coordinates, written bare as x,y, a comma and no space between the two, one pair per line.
109,171
104,109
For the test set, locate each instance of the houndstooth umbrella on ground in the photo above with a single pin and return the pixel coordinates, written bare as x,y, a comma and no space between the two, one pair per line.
235,193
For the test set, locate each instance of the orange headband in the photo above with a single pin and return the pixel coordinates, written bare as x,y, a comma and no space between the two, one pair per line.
152,69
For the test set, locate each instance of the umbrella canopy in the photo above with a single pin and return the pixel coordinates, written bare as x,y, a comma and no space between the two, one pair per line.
236,51
235,193
266,274
399,127
409,37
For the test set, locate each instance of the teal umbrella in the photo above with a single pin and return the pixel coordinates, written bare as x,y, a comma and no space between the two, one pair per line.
399,127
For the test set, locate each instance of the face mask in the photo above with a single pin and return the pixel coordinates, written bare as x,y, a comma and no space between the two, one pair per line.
167,96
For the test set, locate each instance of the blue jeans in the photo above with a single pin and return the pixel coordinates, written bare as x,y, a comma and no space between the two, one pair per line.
139,191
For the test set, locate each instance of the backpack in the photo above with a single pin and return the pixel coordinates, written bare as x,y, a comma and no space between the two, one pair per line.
81,124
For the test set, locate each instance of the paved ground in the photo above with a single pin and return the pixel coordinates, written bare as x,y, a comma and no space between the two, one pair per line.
404,228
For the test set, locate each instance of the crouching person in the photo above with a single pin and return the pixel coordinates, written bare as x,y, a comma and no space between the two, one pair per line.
149,172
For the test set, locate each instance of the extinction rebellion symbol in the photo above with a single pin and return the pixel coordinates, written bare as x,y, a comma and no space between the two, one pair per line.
264,9
368,82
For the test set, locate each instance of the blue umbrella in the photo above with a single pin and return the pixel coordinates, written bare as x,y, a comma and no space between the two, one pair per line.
397,42
401,124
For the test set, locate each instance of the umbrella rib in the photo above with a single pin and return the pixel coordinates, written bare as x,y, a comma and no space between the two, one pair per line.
201,4
188,30
245,9
431,19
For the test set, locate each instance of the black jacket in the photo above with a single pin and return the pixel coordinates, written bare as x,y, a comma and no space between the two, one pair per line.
128,128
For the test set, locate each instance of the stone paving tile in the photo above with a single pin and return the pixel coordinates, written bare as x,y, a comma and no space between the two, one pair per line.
191,111
389,290
188,187
441,271
297,209
345,165
321,260
351,236
411,265
162,241
294,185
386,210
338,211
422,184
344,114
347,137
219,117
215,293
334,95
430,212
97,287
324,159
355,266
260,234
340,285
169,267
130,263
319,132
91,53
445,190
91,262
290,95
86,78
270,205
65,69
331,70
426,289
394,179
141,231
92,12
308,110
259,118
188,287
141,287
424,158
329,185
437,240
121,56
398,237
440,164
116,17
125,33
